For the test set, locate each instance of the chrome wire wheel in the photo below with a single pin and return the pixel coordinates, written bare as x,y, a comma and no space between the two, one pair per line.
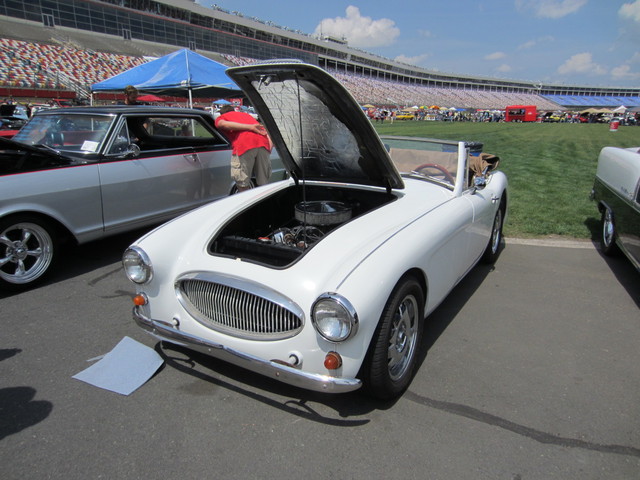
392,357
26,252
402,342
492,251
496,233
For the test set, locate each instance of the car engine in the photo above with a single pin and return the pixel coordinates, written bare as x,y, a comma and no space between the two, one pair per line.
282,228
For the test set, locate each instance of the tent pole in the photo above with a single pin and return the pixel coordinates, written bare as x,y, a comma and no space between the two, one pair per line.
190,99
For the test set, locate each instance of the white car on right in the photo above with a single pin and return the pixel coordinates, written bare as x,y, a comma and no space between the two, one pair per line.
617,191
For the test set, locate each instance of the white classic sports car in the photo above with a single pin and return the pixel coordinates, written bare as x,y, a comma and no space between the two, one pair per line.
323,280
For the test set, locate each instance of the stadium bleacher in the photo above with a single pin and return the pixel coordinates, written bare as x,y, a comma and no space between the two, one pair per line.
580,101
35,65
71,59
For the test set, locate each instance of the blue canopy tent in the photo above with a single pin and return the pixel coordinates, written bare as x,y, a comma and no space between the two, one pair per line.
180,74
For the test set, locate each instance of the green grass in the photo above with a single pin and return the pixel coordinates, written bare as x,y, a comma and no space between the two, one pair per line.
550,167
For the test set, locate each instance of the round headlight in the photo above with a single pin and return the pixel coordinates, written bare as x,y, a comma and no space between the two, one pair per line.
137,265
334,317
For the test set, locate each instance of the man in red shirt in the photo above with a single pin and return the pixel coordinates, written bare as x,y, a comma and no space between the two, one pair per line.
250,144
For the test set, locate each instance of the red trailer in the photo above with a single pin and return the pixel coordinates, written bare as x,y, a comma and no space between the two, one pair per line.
520,113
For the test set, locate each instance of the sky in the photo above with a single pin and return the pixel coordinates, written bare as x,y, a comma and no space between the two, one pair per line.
571,42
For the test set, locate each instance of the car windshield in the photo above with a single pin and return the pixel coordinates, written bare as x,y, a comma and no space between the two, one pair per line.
79,133
435,159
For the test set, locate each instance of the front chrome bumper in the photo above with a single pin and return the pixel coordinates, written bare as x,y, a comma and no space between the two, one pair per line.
269,368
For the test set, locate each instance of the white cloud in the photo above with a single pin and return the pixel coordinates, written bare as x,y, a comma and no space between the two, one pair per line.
362,32
623,72
551,8
417,60
504,68
631,10
536,41
581,63
495,56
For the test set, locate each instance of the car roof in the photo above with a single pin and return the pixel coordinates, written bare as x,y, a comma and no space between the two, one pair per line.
124,109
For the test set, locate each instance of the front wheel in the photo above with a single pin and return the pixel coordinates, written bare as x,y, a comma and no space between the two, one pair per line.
393,353
28,248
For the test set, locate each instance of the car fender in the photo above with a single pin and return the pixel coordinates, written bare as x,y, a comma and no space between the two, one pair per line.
56,198
416,251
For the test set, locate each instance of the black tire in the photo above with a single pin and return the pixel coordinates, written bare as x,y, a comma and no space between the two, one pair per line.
494,247
392,356
234,188
28,251
608,233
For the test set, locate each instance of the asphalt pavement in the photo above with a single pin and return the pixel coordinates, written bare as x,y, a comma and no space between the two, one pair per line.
529,370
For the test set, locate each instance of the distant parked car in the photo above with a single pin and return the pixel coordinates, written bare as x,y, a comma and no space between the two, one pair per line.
61,103
12,117
323,280
81,174
617,191
405,115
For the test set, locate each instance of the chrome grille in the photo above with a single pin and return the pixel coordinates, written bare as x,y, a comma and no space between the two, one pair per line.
238,312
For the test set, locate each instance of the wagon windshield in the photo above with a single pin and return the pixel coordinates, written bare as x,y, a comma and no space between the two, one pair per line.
78,133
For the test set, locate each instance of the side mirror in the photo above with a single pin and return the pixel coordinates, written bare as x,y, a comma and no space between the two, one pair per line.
132,151
480,181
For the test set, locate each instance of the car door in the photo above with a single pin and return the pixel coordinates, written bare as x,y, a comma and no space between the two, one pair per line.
166,178
485,202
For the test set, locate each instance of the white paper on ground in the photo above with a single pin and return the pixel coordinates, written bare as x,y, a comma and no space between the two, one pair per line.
124,369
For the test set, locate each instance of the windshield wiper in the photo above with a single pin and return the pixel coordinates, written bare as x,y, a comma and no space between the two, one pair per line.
48,147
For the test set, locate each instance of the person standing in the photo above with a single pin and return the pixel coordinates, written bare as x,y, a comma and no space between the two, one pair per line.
251,147
131,95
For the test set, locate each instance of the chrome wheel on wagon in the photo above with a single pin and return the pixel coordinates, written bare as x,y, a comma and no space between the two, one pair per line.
608,233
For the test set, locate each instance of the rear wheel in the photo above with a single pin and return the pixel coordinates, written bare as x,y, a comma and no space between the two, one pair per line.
28,249
609,246
492,252
391,360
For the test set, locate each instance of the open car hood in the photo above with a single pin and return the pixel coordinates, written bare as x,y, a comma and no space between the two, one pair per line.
319,130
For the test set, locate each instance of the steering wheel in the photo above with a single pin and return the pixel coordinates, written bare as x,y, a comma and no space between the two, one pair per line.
441,172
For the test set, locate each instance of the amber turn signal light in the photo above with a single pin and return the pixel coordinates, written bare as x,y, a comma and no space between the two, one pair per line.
332,361
139,300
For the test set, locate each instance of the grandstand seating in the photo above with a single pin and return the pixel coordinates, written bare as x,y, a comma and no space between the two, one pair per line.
581,101
384,92
54,66
39,65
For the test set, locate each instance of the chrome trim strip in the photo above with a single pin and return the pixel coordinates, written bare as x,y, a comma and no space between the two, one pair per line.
277,371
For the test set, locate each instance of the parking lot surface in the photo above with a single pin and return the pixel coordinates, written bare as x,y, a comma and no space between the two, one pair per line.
528,371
